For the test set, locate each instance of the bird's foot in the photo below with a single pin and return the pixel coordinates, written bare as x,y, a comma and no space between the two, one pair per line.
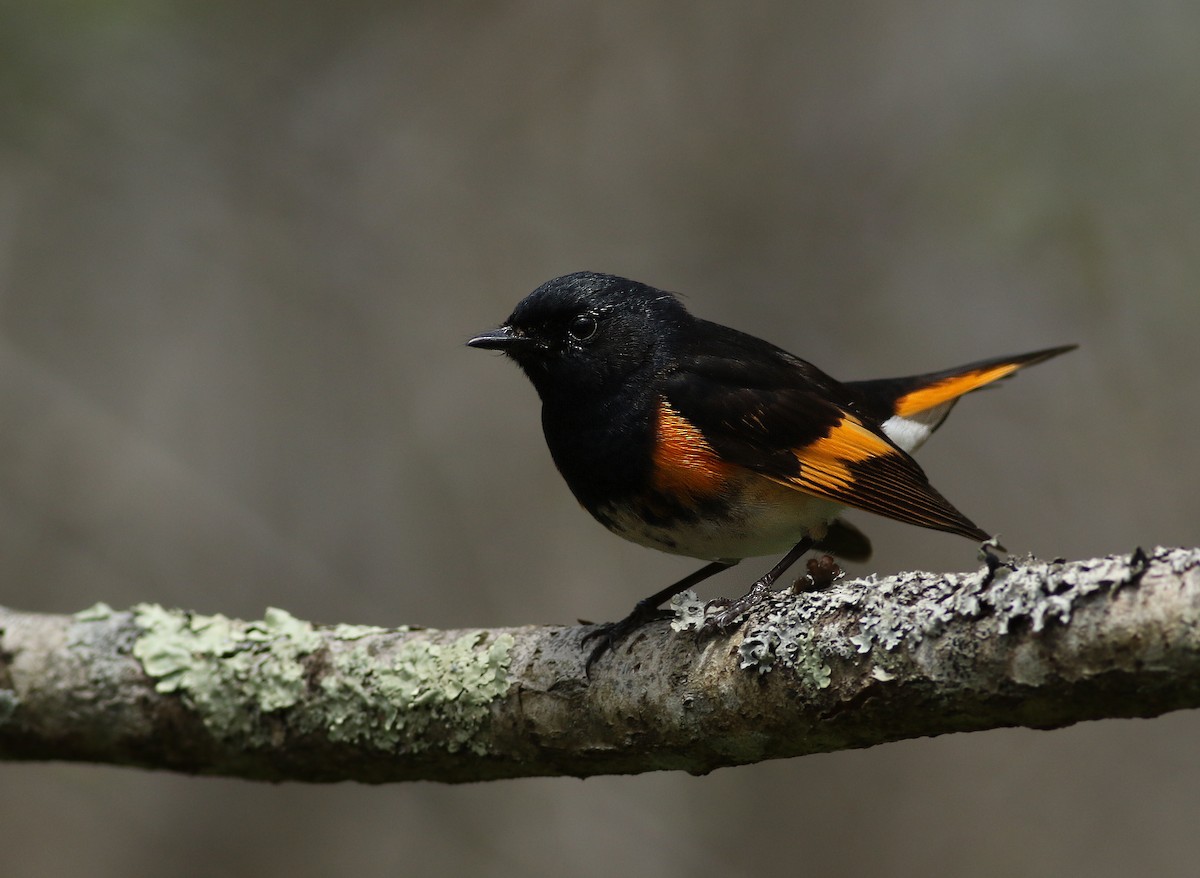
730,613
988,553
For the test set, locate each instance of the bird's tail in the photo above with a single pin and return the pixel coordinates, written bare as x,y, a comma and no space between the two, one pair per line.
910,409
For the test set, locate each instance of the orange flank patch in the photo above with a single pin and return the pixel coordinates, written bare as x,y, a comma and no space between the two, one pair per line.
683,459
951,388
824,462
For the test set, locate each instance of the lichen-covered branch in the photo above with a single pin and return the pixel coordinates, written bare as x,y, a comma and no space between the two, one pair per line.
864,662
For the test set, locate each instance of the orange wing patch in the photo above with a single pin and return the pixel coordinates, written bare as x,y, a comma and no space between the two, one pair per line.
856,467
683,459
824,462
952,388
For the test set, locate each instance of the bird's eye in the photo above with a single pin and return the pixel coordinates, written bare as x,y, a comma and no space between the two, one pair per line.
583,327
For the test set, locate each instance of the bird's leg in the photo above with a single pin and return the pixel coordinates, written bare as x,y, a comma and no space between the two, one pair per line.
732,612
646,610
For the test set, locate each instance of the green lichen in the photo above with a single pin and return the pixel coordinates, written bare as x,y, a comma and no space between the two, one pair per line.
231,672
422,694
97,612
358,632
369,687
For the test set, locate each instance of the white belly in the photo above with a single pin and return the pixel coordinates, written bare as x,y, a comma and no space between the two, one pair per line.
765,520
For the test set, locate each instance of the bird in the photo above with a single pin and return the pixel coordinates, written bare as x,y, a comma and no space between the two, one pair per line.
697,439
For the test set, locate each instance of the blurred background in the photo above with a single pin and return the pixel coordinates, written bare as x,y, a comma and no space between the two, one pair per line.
242,244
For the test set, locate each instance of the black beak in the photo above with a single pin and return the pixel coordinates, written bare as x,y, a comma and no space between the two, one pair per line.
502,338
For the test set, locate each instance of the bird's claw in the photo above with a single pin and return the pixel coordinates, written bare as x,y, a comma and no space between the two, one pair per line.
731,613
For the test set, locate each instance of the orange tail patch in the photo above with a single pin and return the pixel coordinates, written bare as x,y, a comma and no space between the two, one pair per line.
944,388
951,388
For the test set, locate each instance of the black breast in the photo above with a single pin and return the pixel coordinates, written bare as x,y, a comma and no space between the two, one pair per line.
603,448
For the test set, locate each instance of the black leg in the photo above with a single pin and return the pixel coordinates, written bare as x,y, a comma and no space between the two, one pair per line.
732,612
645,611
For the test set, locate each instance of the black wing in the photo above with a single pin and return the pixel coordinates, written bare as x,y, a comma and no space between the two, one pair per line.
763,409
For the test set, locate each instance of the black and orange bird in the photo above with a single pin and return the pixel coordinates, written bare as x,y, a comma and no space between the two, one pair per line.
697,439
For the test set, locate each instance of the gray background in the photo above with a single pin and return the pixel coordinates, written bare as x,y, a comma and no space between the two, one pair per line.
241,246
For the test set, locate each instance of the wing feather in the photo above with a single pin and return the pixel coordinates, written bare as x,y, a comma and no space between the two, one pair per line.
781,417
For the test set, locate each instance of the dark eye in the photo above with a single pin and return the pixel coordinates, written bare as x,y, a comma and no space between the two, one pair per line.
583,327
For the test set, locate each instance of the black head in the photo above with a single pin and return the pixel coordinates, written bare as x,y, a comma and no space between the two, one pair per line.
586,331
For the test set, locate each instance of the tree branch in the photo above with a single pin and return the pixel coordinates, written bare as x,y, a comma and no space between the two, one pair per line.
861,663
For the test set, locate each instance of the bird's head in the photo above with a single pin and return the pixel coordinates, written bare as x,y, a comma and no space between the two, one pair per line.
586,331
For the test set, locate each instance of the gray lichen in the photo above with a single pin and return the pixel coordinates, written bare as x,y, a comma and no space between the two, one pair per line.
689,611
790,641
905,610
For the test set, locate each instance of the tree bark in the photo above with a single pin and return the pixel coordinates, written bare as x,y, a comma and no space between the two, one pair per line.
1025,643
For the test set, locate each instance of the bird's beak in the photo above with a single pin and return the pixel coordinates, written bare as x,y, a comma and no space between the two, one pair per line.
502,338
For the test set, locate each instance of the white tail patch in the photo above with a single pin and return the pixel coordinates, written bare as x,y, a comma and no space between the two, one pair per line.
911,432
